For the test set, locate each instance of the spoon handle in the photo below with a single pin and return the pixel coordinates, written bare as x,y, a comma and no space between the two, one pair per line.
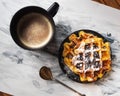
69,87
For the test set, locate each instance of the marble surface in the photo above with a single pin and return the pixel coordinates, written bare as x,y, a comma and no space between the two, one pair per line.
19,68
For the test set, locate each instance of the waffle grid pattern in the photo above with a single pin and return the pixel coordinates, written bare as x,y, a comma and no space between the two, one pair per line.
88,57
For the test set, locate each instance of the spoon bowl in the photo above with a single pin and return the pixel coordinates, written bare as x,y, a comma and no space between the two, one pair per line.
45,73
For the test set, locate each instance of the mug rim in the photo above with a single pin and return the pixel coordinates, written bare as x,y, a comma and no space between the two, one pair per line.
22,12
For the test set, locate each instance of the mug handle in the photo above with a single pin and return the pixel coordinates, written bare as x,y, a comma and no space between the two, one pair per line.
53,9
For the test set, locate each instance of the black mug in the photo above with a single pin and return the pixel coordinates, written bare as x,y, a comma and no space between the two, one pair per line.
33,27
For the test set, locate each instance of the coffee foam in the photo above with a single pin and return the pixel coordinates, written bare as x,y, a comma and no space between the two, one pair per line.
34,30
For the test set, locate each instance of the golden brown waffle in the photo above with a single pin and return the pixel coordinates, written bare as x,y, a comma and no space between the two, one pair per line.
87,56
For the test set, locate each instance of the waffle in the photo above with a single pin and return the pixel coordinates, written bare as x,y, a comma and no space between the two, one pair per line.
87,56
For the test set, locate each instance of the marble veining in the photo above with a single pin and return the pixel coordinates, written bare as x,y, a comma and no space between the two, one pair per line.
19,68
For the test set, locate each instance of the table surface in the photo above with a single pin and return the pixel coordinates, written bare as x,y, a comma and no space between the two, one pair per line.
19,68
112,3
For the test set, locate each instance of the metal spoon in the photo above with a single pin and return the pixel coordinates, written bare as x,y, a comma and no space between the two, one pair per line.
46,74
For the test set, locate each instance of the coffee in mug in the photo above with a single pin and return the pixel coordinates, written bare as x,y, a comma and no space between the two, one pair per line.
33,27
34,30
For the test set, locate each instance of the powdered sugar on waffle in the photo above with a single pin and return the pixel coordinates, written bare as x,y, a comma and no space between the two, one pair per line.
88,57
